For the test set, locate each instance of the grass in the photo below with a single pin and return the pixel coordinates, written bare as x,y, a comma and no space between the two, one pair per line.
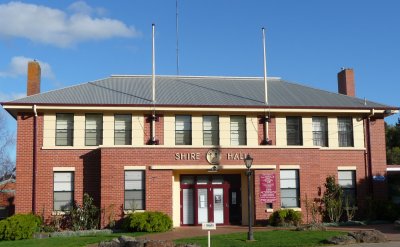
284,238
65,241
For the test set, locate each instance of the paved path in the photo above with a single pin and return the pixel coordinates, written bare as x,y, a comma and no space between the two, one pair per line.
392,234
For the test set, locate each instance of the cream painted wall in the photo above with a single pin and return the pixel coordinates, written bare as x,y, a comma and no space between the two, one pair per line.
252,131
169,130
225,130
281,131
358,131
197,130
307,132
49,130
333,138
108,129
176,200
138,130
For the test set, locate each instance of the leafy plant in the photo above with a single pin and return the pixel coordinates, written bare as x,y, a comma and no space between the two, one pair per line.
85,216
285,217
349,208
332,200
148,222
382,210
19,226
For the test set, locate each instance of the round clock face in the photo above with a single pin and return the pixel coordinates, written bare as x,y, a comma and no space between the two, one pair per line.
213,156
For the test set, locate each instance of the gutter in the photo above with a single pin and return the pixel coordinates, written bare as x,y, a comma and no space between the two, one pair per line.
369,155
35,142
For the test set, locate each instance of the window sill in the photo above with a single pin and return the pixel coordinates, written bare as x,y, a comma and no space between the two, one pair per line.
59,213
133,211
294,209
269,210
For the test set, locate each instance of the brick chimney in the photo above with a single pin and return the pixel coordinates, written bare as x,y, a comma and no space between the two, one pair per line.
346,82
33,81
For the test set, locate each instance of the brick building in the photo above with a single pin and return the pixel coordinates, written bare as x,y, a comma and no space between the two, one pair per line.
183,154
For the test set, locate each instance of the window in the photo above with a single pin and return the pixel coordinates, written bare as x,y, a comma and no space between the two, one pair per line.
294,135
64,129
94,130
347,180
63,191
345,130
238,130
320,131
134,190
290,189
123,129
210,130
183,130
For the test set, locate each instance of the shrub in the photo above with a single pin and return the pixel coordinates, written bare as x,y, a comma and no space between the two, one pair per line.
19,226
285,217
148,222
332,200
382,210
83,217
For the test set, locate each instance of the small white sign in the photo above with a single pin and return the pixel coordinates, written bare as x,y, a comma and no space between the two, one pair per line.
209,226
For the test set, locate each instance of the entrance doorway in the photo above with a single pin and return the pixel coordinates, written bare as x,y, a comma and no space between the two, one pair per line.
210,198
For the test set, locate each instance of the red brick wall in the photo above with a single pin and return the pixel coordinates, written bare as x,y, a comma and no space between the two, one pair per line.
159,129
100,172
271,130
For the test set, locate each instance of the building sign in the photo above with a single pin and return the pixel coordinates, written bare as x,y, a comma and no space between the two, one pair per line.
187,156
267,188
213,156
379,178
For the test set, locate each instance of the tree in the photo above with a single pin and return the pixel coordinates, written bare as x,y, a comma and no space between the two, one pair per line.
7,141
392,133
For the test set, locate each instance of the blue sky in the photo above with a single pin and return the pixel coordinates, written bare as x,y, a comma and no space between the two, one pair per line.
307,41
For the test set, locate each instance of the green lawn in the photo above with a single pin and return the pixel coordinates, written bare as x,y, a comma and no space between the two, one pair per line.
64,242
284,238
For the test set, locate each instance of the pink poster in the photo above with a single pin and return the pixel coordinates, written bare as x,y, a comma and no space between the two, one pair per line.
267,188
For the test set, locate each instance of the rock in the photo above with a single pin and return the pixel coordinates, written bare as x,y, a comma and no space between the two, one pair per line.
397,223
158,243
368,236
113,243
134,243
188,245
341,240
123,239
311,227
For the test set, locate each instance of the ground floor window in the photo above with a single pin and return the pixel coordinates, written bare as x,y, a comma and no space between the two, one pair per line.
290,189
347,180
134,190
63,191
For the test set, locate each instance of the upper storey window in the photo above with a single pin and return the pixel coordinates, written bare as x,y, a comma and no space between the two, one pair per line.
183,130
345,131
210,130
123,129
294,135
64,129
320,131
238,130
94,129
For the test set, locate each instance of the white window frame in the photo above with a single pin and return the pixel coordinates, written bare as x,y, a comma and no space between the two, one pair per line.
183,130
347,180
291,183
294,131
122,129
64,129
60,186
129,204
345,132
93,129
211,130
320,131
238,130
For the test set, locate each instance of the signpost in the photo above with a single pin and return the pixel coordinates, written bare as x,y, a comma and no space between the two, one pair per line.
267,188
209,226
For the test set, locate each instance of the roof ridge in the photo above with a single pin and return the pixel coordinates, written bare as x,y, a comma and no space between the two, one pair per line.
201,77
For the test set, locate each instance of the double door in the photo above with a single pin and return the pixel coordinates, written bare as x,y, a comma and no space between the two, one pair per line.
207,199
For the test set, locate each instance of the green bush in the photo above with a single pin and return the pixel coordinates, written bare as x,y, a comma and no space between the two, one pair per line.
148,222
285,217
382,210
19,226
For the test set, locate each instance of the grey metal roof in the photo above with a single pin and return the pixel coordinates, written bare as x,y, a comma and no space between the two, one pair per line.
196,91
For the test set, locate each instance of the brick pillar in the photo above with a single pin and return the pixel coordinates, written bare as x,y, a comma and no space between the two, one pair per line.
346,82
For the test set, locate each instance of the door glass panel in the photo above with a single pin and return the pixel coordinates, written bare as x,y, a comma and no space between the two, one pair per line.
218,205
202,179
188,216
217,180
187,180
202,206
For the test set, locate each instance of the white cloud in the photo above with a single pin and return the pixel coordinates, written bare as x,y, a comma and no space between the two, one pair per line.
52,26
84,8
19,66
4,97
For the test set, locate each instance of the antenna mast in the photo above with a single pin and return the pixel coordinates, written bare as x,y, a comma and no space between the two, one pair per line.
153,117
177,38
266,118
